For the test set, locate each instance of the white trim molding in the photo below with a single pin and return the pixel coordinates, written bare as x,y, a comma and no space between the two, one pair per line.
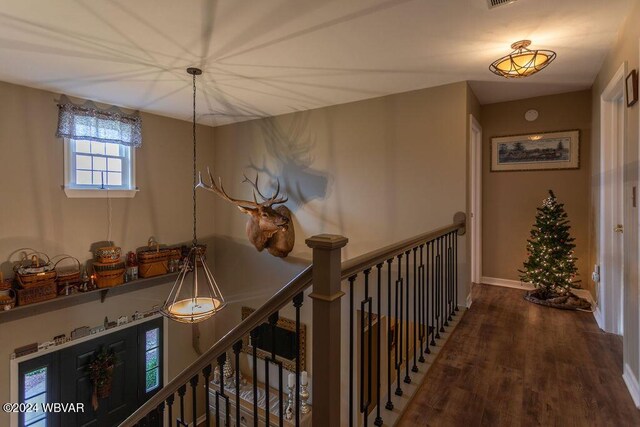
506,283
632,384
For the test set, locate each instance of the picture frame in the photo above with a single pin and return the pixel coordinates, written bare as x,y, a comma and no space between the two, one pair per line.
284,325
536,152
631,84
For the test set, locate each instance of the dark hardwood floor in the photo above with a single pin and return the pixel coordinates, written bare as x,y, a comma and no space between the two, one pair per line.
513,363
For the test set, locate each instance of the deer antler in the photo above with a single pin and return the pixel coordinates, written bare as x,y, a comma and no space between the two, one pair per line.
267,201
219,190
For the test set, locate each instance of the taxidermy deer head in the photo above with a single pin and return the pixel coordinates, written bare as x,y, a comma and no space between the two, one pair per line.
267,227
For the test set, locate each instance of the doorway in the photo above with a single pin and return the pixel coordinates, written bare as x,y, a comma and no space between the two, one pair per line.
475,132
610,289
63,376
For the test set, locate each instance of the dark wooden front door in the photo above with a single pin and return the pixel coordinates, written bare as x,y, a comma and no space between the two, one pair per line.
76,386
137,376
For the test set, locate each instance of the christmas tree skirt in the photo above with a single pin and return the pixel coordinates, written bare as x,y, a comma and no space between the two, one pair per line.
568,301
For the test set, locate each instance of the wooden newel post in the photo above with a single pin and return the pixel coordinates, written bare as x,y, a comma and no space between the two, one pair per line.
326,296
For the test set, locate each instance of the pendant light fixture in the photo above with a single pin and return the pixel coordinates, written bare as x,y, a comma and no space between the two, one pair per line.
195,296
522,62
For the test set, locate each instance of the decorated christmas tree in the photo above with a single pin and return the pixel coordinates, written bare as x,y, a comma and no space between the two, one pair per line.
551,266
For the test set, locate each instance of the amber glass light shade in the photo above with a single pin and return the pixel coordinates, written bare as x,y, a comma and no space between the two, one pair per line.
522,62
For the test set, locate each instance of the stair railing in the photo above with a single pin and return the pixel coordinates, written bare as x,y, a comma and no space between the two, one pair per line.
437,278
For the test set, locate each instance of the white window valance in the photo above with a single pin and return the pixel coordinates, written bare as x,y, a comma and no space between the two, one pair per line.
90,123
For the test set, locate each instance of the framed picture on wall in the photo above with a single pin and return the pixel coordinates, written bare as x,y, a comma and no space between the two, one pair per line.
538,151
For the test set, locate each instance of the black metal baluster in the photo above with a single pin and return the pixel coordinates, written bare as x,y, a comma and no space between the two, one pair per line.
421,304
160,410
206,374
170,409
297,303
407,378
364,403
447,266
351,356
399,303
194,396
416,298
451,267
237,347
444,283
254,345
437,286
221,386
455,254
389,404
181,392
378,421
442,276
432,282
273,320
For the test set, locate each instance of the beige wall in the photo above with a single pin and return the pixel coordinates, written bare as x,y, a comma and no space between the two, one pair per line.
510,199
625,49
376,171
36,213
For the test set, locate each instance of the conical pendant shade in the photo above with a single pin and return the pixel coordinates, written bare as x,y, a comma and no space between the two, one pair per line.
195,295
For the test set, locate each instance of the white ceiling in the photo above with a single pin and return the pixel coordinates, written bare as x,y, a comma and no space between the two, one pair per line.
271,57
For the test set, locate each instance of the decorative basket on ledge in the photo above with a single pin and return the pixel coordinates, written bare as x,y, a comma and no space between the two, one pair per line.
33,270
109,275
42,291
67,275
153,261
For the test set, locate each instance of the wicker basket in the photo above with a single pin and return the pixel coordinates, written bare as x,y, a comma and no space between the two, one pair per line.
109,274
68,274
37,293
153,261
108,254
32,271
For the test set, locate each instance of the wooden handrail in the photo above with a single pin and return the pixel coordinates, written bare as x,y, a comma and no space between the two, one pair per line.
358,264
276,302
281,298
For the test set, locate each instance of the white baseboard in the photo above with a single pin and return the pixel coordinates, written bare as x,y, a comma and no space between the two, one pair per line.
505,283
599,318
632,384
469,300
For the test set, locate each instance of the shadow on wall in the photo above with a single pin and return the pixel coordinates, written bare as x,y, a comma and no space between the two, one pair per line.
247,277
290,152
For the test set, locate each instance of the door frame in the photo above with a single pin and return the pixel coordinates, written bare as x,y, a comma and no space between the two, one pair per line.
475,140
609,312
14,364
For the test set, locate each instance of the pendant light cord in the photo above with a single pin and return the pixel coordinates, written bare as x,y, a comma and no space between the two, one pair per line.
195,239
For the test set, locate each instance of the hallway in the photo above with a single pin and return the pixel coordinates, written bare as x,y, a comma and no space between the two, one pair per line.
512,363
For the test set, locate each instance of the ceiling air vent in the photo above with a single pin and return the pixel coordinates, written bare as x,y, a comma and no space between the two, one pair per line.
496,3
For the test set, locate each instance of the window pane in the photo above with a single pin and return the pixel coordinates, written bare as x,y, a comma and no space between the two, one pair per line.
99,164
151,359
39,423
37,401
114,178
113,150
83,147
97,147
35,382
152,380
83,177
152,339
98,178
83,162
115,165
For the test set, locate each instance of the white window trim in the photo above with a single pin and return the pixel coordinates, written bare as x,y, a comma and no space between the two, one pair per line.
97,193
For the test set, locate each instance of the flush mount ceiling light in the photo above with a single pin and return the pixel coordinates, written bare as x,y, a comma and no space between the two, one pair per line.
522,62
195,295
